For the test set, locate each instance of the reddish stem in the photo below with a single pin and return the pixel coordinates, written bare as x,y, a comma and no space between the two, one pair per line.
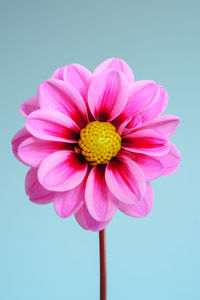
103,275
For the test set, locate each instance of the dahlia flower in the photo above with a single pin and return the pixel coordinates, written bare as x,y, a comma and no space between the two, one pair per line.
94,141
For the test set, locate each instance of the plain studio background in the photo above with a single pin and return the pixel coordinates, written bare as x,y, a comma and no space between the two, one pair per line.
46,257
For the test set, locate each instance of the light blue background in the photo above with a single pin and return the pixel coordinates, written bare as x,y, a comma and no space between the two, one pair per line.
46,257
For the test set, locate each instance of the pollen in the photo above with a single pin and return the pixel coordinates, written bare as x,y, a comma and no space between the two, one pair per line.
99,142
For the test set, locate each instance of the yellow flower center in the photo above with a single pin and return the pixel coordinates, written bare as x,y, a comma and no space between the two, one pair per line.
99,142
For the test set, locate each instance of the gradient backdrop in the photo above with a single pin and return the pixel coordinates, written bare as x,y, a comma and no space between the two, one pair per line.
46,257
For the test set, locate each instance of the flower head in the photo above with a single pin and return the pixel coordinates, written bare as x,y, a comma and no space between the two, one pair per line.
94,142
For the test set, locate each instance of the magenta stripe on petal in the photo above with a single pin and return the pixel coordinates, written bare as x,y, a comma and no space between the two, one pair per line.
36,192
62,96
62,170
149,141
52,125
151,166
125,180
107,95
141,208
100,202
85,220
132,124
115,64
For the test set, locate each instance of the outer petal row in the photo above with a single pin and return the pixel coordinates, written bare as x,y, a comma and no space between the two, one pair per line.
85,220
18,138
171,160
29,105
69,202
36,192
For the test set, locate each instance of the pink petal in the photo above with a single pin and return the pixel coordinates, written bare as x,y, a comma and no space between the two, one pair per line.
132,124
115,64
35,191
18,138
171,160
151,166
141,94
32,151
158,106
62,170
29,105
101,203
149,141
135,122
62,96
52,125
141,208
69,202
125,180
166,124
121,126
59,73
87,222
76,75
107,95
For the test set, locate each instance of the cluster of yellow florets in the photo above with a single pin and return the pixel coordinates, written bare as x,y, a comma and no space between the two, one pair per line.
99,142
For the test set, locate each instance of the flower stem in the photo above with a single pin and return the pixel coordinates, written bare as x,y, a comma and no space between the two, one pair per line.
103,275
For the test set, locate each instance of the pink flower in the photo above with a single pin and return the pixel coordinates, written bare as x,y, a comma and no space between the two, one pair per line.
95,141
